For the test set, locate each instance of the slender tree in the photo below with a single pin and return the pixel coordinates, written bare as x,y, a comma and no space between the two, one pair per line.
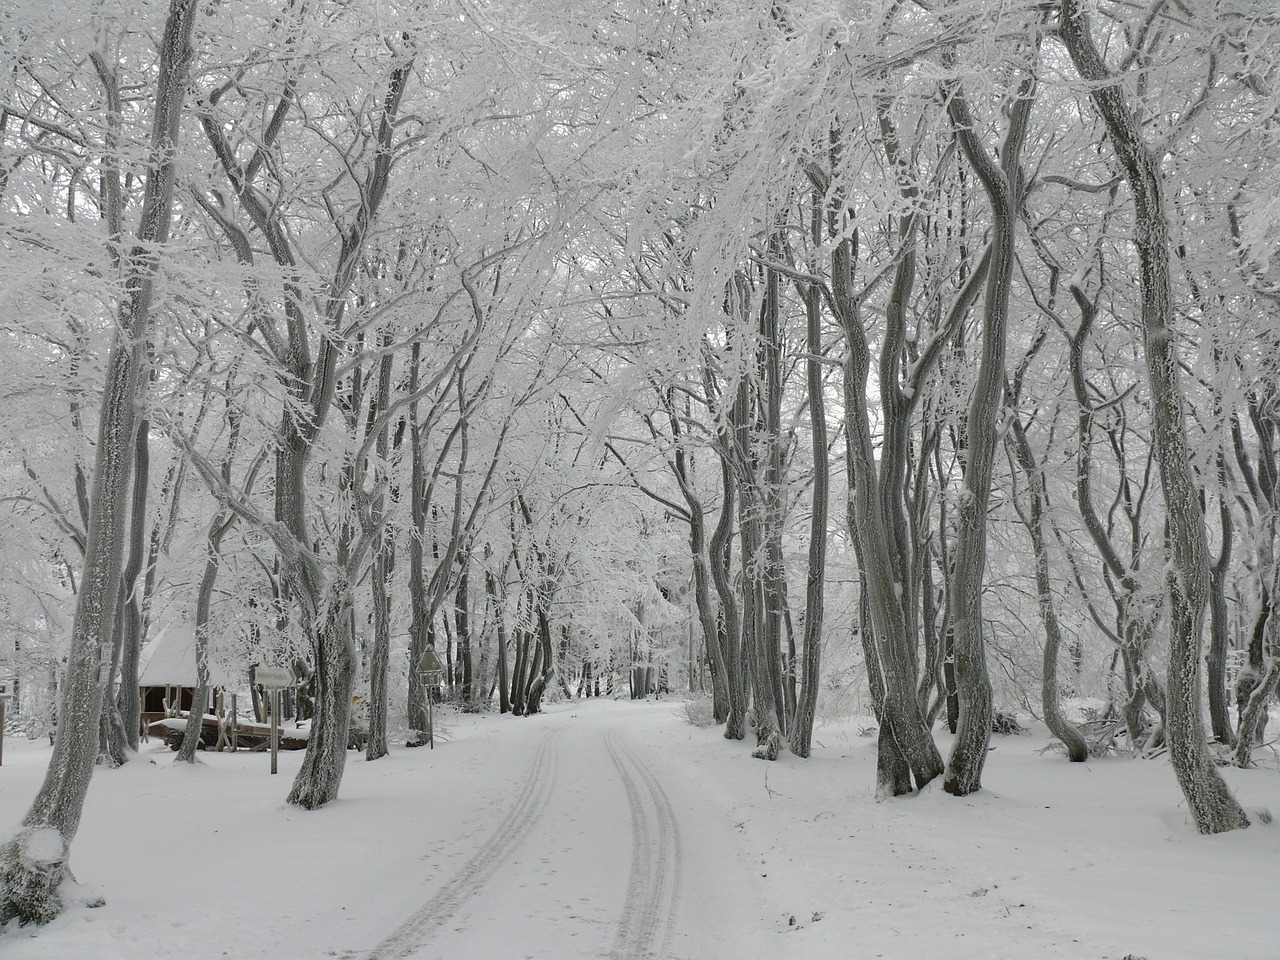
1212,806
33,862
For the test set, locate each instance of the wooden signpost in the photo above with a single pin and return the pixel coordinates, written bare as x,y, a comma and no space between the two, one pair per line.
432,671
273,680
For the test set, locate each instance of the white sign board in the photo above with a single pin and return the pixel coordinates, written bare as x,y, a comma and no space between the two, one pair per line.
273,678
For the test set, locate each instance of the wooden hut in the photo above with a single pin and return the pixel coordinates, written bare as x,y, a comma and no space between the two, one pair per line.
167,675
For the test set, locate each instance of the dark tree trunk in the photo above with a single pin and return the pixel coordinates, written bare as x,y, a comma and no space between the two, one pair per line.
729,628
128,699
1216,660
801,735
973,684
1050,697
500,624
1212,805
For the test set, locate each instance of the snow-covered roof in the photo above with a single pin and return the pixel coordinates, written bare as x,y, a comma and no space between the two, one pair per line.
169,659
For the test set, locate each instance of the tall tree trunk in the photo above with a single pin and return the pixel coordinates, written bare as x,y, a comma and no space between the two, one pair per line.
128,700
384,561
462,626
222,522
495,601
419,607
905,744
801,734
1133,625
730,626
1219,641
33,862
703,601
333,645
1212,805
876,509
1003,187
113,749
772,494
544,665
759,641
1050,696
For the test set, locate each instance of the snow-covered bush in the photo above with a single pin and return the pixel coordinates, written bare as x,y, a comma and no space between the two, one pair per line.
698,711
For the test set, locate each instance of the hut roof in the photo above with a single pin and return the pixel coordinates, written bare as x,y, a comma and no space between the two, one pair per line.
169,659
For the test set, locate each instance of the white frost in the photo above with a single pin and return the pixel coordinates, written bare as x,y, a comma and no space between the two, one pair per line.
43,845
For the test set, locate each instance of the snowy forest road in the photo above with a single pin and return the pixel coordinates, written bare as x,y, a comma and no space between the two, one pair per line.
587,861
603,829
654,887
471,877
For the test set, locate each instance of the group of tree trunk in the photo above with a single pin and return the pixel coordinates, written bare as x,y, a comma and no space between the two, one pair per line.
450,381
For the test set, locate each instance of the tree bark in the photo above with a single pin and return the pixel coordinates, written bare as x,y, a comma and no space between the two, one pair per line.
1211,803
222,522
801,735
128,700
33,862
973,685
1050,695
384,562
730,626
758,641
495,602
905,743
702,598
1219,641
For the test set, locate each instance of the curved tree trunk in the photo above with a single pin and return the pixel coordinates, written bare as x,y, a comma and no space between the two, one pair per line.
1212,806
730,627
758,641
1050,697
383,565
334,649
213,554
113,749
715,655
876,510
419,607
1002,183
1254,710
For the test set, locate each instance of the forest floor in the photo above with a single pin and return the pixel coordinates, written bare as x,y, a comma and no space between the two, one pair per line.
603,829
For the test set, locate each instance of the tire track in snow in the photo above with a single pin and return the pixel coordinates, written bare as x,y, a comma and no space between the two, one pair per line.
653,888
470,878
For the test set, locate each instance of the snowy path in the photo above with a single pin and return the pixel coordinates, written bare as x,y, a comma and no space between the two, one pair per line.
471,877
588,861
654,887
615,830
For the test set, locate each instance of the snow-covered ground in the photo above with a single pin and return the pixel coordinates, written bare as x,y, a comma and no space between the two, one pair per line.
606,829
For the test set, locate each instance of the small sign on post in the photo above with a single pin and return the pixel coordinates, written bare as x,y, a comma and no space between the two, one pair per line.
432,672
273,680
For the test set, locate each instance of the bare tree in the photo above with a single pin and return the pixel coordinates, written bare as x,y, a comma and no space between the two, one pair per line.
1212,806
34,862
323,593
1002,180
